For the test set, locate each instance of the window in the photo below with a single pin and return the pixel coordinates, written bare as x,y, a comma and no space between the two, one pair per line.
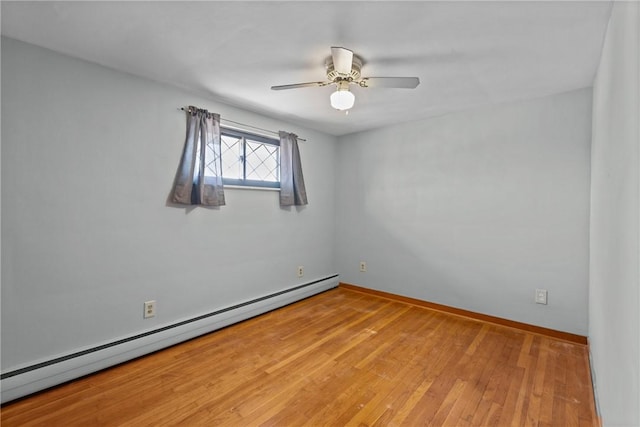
249,160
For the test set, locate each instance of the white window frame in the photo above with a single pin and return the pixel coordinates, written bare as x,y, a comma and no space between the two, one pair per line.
244,182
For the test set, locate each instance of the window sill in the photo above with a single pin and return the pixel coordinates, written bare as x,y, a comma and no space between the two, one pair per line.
246,187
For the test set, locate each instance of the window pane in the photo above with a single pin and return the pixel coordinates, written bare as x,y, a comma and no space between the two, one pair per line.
212,162
262,161
231,157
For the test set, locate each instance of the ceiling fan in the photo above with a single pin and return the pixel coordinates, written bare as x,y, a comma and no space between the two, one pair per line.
343,69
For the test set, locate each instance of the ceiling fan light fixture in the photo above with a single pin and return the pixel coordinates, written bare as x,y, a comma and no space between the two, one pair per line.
342,99
343,69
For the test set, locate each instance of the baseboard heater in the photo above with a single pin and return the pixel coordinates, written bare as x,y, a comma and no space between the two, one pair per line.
39,376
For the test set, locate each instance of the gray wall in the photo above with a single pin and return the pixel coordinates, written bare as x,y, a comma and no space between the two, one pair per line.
474,210
88,158
614,292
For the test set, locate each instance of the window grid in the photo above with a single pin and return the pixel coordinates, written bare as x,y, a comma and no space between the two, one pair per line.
249,160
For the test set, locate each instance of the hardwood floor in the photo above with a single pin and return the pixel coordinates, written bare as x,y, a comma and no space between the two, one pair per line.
339,358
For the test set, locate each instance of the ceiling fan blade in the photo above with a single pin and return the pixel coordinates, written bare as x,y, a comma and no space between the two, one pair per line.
392,82
299,85
342,59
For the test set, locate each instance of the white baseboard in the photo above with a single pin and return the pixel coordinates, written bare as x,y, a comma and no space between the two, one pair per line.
594,383
19,383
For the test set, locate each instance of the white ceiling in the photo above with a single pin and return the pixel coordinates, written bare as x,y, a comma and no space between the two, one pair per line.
466,54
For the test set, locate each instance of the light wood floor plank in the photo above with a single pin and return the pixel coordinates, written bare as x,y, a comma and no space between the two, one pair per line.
341,358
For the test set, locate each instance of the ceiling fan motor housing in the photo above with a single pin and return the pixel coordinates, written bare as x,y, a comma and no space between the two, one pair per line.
334,76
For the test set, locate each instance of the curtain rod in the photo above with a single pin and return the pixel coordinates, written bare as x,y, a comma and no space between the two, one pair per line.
245,125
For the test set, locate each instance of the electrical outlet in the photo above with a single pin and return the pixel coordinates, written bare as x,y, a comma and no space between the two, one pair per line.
363,266
300,271
541,296
149,309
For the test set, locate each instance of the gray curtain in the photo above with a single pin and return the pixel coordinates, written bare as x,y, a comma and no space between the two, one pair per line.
199,176
292,190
